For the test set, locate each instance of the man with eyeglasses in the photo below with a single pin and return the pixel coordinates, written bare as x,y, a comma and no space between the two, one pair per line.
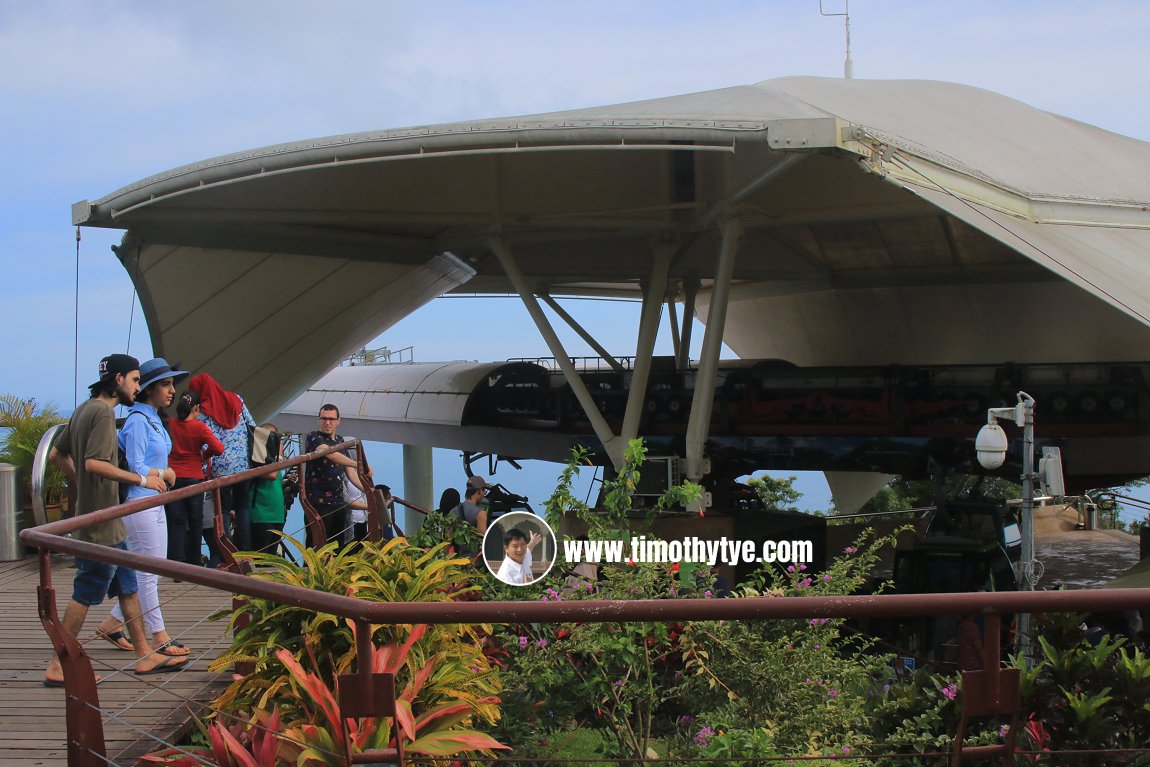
324,476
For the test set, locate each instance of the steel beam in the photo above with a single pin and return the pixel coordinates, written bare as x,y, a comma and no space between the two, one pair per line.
691,292
699,423
574,325
654,294
611,443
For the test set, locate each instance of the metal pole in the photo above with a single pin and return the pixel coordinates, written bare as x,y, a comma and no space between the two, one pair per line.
1026,563
699,423
612,444
645,345
590,339
691,292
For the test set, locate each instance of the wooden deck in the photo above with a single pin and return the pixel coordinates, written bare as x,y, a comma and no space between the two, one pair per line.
137,710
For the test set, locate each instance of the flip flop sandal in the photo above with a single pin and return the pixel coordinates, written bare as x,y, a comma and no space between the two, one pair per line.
53,682
167,666
172,643
114,638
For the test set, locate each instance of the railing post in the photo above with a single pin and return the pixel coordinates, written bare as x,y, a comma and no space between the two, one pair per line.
367,692
82,702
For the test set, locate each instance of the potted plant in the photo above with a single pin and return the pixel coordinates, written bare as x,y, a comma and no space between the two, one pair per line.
24,422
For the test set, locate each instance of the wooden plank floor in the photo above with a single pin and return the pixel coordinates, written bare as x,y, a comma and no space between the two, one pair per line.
32,728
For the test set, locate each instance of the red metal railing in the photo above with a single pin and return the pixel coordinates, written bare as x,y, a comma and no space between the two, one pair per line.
991,691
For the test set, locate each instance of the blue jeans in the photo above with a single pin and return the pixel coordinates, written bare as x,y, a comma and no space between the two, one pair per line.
96,580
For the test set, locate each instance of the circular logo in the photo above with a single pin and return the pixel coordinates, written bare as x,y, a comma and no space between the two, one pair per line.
519,548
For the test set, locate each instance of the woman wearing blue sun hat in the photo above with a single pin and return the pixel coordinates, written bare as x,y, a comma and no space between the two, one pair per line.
145,444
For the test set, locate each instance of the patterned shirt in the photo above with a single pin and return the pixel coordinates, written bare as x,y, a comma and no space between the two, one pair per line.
235,458
323,478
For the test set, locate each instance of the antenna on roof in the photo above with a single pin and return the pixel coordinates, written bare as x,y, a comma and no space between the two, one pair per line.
848,65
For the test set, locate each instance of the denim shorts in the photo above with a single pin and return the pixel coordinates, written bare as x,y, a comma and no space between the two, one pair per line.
95,580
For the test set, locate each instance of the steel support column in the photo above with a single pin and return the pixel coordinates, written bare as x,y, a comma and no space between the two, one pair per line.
699,423
673,321
590,339
690,293
653,297
612,444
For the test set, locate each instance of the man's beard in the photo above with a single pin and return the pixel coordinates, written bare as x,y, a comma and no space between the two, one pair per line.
123,398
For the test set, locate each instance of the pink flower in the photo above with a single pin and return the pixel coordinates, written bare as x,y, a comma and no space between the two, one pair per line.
833,693
950,691
541,643
827,578
849,550
522,642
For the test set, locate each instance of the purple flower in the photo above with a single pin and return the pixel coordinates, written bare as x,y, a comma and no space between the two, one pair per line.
805,582
818,647
707,593
827,578
686,719
846,749
849,550
522,642
950,691
703,737
541,643
833,693
618,683
790,568
802,567
1003,730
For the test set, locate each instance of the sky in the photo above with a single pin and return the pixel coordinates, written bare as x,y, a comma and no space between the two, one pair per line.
97,95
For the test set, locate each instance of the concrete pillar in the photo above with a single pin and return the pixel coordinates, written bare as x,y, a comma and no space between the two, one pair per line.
418,485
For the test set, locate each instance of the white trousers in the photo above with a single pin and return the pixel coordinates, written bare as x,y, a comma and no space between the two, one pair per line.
147,534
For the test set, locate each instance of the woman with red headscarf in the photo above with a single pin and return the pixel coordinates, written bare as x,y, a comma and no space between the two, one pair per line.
228,419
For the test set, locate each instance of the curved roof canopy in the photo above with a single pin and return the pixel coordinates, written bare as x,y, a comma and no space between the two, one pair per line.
882,222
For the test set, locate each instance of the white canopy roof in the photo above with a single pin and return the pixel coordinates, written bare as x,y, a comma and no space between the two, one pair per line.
1024,235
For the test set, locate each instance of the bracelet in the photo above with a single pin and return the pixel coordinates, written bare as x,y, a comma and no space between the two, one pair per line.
143,481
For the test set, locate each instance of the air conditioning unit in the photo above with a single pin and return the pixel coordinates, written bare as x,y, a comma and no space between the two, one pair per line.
657,475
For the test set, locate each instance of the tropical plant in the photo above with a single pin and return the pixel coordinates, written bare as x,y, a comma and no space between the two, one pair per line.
388,572
252,743
439,528
323,736
1088,694
26,421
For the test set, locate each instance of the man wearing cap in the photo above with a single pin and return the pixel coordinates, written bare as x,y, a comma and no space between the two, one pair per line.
87,453
146,446
473,513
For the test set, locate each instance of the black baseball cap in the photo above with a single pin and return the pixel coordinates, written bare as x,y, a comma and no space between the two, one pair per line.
114,365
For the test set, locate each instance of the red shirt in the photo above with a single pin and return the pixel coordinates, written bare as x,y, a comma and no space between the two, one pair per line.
188,438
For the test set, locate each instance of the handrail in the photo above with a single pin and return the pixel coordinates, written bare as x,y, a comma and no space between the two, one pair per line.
39,469
80,678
